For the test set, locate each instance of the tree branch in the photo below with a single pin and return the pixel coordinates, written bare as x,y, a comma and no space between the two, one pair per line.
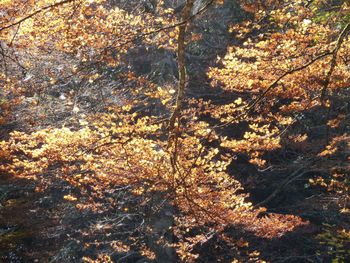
333,64
35,13
334,59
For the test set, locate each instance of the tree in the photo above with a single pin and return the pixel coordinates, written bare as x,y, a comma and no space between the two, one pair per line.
287,61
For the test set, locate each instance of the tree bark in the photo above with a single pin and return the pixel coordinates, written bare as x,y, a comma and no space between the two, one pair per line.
186,14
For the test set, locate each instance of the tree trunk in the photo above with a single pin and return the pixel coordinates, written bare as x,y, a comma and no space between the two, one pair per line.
186,14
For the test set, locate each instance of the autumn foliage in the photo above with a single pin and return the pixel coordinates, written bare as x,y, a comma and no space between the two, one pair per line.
289,59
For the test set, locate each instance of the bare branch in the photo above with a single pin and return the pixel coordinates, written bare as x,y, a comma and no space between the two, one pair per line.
35,13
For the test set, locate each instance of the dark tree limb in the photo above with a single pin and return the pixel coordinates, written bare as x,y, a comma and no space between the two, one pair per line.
186,13
35,13
304,66
334,59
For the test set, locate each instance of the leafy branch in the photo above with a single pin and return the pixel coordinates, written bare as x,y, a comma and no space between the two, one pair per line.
36,13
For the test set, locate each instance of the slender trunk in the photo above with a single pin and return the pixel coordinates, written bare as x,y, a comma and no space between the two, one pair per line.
186,14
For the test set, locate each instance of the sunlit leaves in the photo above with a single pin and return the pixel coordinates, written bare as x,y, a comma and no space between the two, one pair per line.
123,145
